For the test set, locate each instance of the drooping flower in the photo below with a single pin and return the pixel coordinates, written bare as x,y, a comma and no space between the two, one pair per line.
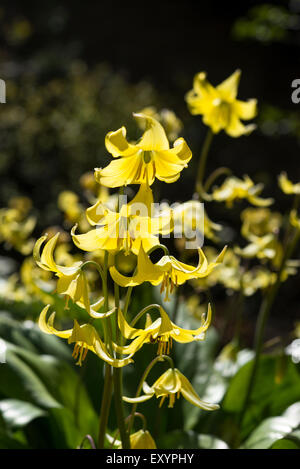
141,162
72,281
234,188
126,229
262,247
287,186
260,222
16,225
85,338
170,385
219,106
168,271
162,331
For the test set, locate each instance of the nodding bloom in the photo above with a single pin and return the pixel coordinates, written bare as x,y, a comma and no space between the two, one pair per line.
234,188
85,338
170,385
138,440
168,271
287,186
219,106
162,331
72,281
149,158
126,229
16,226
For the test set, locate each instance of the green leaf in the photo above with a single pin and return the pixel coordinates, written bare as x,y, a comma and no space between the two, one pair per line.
285,443
18,413
276,429
180,439
18,381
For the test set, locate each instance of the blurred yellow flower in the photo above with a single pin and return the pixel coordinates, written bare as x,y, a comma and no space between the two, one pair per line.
170,122
16,226
170,385
144,160
219,105
260,222
168,271
85,338
234,188
287,186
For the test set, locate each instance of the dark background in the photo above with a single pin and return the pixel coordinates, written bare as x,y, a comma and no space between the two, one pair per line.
159,45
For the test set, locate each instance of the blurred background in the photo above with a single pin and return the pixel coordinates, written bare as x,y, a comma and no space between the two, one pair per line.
77,70
74,72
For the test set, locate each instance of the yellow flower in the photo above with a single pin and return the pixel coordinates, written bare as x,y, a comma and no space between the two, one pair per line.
190,217
234,188
72,280
168,271
287,186
167,118
219,105
138,440
259,222
162,331
294,219
85,338
141,162
170,385
15,228
126,229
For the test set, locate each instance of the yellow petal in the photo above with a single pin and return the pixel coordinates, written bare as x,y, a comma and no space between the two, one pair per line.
229,87
191,396
117,144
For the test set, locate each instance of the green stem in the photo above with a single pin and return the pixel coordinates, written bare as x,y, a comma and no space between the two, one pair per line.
107,391
105,405
202,161
263,315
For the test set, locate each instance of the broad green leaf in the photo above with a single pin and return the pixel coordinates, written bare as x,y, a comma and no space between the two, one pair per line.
284,443
276,429
18,413
267,433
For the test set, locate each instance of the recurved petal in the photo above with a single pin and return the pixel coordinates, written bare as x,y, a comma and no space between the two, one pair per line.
191,396
47,326
154,137
122,171
246,109
236,128
98,238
